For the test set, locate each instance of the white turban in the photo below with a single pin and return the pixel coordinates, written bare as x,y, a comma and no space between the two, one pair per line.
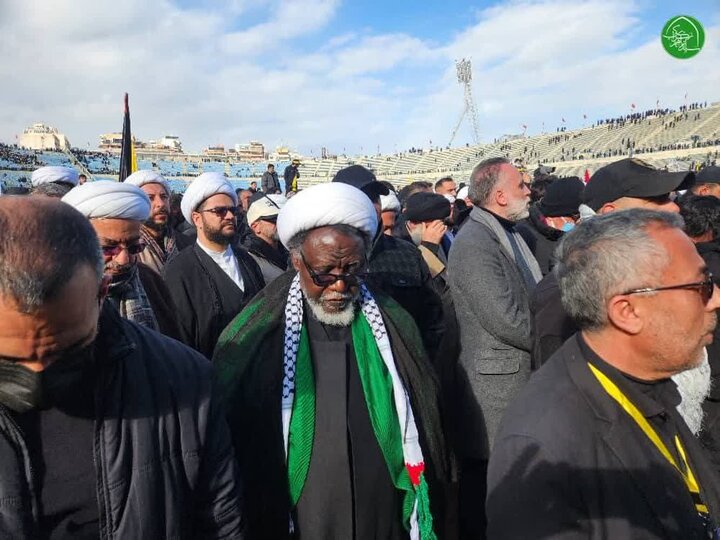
203,187
140,178
106,199
333,203
389,202
463,193
46,175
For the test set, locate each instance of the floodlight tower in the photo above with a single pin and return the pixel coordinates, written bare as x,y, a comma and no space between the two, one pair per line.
464,77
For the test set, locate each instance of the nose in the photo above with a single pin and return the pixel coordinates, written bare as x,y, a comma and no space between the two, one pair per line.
123,257
339,286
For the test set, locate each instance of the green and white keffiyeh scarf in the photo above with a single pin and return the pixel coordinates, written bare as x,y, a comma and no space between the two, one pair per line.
391,413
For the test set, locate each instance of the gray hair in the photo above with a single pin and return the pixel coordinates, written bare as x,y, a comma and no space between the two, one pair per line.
607,255
43,243
484,178
294,245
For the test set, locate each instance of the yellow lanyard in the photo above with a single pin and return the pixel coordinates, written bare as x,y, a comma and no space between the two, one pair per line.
630,408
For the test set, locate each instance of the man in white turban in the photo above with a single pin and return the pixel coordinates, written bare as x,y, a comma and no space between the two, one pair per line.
116,212
332,401
389,208
214,279
53,181
161,241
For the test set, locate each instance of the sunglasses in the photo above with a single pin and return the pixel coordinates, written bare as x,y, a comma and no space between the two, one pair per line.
221,211
325,280
114,251
705,287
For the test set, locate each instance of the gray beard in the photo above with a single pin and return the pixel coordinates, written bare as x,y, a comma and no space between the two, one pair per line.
341,318
694,388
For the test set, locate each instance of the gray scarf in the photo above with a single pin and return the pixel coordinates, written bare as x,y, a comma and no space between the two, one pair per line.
132,302
528,259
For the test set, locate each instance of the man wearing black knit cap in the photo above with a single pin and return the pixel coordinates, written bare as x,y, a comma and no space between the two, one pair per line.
554,215
397,268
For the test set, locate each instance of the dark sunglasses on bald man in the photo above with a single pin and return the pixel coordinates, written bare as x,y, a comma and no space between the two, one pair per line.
221,211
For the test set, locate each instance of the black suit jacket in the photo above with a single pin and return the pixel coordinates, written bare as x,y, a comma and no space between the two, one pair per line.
206,298
568,462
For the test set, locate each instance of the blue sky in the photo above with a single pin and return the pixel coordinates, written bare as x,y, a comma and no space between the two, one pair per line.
341,74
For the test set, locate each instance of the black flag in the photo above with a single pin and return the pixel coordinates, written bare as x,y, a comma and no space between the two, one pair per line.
128,161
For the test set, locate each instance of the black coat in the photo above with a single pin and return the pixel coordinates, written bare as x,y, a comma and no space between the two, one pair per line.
164,464
569,463
289,175
540,238
551,324
270,183
206,298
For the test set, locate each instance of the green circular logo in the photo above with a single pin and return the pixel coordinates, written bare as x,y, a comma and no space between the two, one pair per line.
683,36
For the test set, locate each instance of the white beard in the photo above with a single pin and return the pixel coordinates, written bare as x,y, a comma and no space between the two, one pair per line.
341,318
694,387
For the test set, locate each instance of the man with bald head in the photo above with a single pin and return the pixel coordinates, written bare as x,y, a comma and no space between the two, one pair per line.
117,212
161,242
214,279
88,400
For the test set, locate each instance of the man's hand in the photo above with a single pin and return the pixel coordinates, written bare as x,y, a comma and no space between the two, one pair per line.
434,231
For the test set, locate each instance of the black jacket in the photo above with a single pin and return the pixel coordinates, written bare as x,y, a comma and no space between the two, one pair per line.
551,324
540,238
206,298
289,174
710,252
398,269
164,463
569,463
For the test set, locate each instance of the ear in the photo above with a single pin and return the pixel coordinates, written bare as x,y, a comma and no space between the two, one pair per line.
703,190
197,220
500,197
606,208
296,262
626,315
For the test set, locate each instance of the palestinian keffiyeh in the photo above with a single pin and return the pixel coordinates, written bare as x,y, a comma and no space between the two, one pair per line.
132,301
154,255
391,413
333,203
109,200
54,173
203,187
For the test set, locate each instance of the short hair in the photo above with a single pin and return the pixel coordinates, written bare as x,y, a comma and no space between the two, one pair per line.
607,255
52,189
43,244
484,178
413,188
701,214
442,181
270,165
294,245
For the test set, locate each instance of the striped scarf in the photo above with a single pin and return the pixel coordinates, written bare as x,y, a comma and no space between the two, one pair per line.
132,302
154,255
391,414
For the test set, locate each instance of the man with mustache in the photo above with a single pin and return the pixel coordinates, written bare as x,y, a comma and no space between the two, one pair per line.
213,280
117,212
107,428
161,241
332,402
593,446
491,272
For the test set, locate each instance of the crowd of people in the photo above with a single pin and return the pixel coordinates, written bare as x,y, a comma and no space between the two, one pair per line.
504,357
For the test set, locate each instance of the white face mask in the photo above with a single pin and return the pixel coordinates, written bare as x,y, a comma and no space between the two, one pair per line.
449,197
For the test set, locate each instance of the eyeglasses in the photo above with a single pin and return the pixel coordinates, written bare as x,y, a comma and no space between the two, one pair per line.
705,288
325,280
221,211
114,251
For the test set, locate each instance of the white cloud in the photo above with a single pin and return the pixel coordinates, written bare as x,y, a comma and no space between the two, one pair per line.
277,71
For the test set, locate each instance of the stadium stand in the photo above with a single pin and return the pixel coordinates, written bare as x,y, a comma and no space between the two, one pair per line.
682,138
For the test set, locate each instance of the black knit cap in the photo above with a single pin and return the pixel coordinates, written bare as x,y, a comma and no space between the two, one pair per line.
363,179
631,177
562,197
708,175
426,206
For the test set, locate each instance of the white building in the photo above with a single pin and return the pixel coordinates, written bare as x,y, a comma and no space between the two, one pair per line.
42,137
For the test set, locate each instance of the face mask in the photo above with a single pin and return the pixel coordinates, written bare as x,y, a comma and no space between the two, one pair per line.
568,226
416,234
22,389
